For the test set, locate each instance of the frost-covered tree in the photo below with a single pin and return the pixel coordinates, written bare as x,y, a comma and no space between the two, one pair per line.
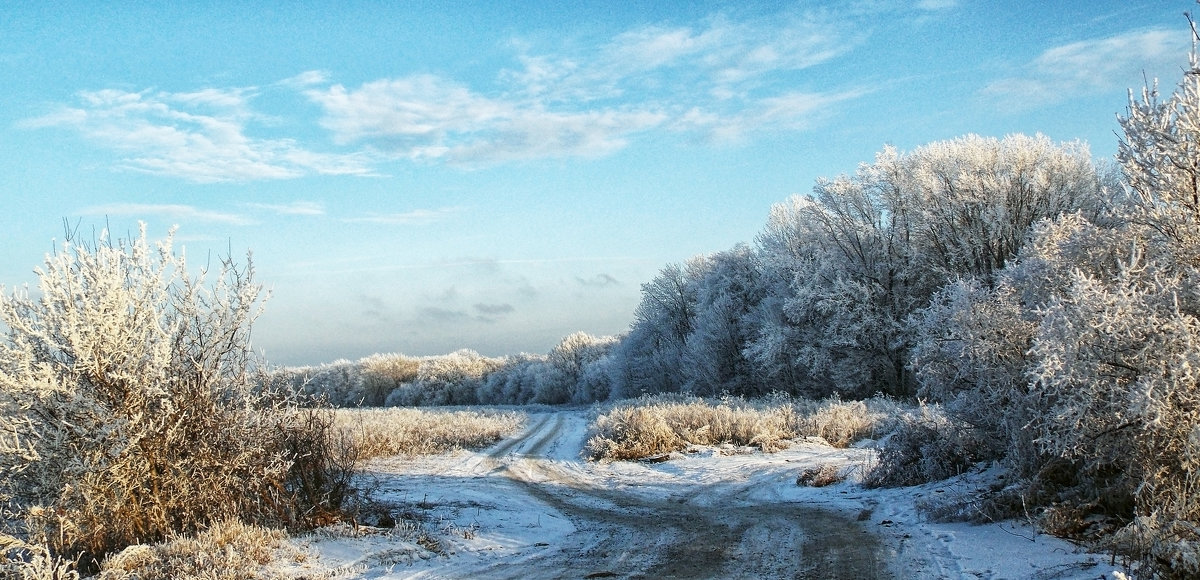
384,373
973,348
788,243
652,353
1159,155
513,381
901,228
976,198
728,291
851,298
567,362
339,382
596,382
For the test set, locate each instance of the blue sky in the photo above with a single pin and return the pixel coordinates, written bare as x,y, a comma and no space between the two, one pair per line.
422,177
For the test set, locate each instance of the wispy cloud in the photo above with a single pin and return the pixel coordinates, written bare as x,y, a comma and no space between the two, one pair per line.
719,57
494,309
795,111
306,208
306,79
414,217
1087,67
439,316
720,77
200,136
169,211
725,78
598,281
427,117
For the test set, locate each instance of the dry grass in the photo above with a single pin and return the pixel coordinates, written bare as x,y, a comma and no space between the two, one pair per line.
656,425
228,550
413,432
651,426
20,560
842,423
821,475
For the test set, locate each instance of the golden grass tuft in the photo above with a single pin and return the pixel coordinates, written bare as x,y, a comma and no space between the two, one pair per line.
227,550
657,425
414,432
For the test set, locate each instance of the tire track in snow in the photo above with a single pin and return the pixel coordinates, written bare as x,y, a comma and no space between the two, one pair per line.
505,447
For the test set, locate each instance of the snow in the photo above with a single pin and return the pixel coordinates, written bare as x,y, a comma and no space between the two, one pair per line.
531,507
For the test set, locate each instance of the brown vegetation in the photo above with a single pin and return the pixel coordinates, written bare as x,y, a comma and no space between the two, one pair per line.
656,425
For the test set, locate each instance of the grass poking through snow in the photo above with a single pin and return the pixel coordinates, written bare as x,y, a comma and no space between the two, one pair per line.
227,550
412,432
655,425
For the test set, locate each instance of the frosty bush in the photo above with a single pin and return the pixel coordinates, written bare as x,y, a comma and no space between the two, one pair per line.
127,409
1082,355
972,354
452,379
926,446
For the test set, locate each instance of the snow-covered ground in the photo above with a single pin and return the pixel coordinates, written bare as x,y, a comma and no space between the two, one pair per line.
531,507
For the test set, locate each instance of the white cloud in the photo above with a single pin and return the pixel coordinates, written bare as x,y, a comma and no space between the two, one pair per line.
231,100
720,77
794,111
540,134
718,56
199,136
170,211
724,76
1091,66
427,117
306,79
417,109
307,208
408,218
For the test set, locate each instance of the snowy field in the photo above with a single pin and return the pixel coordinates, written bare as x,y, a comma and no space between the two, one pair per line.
530,507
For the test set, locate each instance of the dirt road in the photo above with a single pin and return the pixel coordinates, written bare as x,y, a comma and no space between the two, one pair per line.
531,507
639,521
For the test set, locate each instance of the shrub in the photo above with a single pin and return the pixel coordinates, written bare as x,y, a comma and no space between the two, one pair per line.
822,475
926,446
128,411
